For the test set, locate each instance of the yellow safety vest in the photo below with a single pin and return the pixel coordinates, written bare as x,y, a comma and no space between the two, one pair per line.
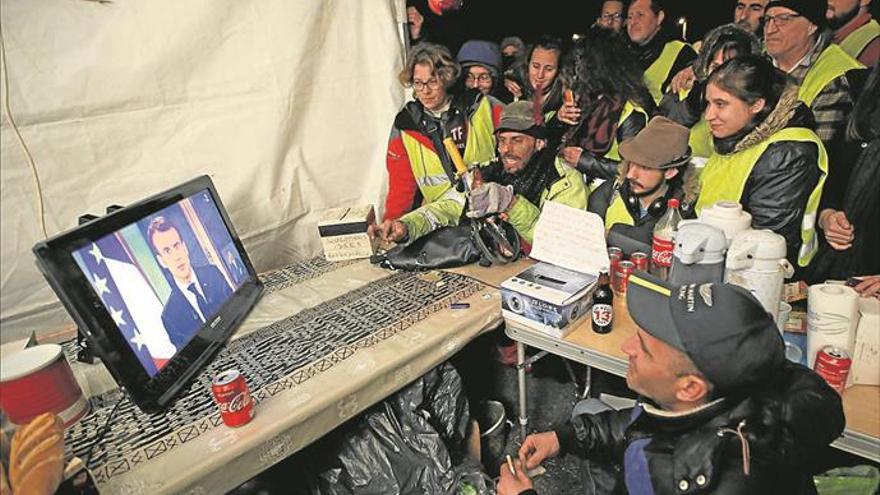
617,213
659,70
700,138
832,63
425,163
725,176
857,40
628,109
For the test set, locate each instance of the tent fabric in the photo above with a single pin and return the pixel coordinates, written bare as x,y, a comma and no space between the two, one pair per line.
286,105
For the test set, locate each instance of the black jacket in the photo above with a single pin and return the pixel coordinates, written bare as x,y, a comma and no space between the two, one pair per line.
785,423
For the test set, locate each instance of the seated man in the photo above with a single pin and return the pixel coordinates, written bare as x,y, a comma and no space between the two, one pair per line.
723,411
525,174
654,164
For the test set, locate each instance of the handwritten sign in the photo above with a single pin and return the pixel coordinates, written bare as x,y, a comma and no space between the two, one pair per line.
570,238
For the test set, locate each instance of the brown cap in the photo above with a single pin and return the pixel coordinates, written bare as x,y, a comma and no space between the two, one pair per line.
663,143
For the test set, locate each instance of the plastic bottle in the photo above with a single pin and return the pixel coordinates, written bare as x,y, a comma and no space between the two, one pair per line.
663,243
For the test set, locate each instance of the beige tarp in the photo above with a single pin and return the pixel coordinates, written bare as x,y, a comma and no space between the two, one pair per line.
285,104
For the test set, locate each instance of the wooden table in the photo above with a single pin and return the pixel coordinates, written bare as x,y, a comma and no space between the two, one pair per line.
861,403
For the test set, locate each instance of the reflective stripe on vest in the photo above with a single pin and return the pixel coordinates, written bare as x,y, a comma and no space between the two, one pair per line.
831,64
857,40
725,176
628,108
426,167
617,212
659,70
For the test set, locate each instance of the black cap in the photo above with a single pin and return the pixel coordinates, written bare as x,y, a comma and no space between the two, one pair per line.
722,328
812,10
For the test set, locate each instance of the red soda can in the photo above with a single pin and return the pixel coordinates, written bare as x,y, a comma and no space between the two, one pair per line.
615,256
832,364
640,260
233,397
621,278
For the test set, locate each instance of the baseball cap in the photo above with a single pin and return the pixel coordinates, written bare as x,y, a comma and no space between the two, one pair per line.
663,143
722,328
812,10
519,117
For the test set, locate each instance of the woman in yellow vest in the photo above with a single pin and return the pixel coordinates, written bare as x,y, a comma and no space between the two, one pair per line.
421,197
611,104
766,156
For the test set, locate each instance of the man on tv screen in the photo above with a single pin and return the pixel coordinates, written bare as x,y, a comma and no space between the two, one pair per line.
197,292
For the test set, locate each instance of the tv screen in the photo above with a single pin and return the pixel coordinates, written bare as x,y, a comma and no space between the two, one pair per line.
157,287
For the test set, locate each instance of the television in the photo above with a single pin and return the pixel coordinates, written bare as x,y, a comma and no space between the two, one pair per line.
156,287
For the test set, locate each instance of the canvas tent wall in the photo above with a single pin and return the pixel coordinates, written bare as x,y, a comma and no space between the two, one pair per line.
285,104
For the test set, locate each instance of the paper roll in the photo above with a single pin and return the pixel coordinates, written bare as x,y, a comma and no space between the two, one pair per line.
833,313
866,352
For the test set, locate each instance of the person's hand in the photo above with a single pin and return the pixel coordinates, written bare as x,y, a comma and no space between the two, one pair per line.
683,80
513,87
415,19
388,231
571,155
537,447
869,286
569,114
838,231
488,198
513,484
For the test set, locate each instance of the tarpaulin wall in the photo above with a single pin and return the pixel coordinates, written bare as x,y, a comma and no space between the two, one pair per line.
285,104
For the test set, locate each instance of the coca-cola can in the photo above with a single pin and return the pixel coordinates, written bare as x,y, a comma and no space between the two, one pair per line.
833,364
233,397
621,278
640,260
615,256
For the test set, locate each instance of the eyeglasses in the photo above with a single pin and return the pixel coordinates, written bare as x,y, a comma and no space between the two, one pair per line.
781,20
612,17
483,78
421,85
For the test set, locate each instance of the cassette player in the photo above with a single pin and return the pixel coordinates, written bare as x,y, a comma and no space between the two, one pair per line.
547,297
553,294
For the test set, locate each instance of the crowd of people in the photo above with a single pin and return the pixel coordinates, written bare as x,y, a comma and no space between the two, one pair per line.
777,110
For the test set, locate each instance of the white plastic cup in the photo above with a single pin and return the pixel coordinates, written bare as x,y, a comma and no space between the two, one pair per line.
782,317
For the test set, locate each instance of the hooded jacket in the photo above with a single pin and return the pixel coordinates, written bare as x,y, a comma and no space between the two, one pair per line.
780,187
761,443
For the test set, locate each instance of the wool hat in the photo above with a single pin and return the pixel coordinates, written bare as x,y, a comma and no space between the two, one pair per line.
478,52
812,10
519,117
515,41
722,328
662,144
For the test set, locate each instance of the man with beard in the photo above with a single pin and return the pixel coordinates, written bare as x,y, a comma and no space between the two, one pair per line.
857,33
653,166
748,15
660,56
525,174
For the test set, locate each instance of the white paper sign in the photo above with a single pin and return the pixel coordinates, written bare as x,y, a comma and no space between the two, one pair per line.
570,238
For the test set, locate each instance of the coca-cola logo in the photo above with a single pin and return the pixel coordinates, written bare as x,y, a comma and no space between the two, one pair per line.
662,258
602,314
239,402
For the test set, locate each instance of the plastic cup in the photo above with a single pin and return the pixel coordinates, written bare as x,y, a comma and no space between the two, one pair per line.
782,317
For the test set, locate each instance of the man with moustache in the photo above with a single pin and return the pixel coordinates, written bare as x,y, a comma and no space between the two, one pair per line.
654,164
525,174
660,56
748,14
857,33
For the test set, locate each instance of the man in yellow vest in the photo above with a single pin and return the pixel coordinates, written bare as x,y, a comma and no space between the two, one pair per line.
654,164
857,33
797,45
660,56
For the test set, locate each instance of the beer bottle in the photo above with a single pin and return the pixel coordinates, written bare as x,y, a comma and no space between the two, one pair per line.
602,313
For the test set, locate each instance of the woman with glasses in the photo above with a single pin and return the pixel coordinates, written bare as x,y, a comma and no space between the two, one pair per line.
767,156
481,68
421,196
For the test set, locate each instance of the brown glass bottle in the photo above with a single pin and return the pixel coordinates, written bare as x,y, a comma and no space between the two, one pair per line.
602,313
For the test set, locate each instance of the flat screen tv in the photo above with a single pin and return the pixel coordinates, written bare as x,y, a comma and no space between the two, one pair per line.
157,287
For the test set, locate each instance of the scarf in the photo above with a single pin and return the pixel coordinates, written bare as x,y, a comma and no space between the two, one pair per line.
539,174
597,130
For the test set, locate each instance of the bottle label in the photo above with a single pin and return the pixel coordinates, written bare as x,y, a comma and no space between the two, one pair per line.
661,252
602,314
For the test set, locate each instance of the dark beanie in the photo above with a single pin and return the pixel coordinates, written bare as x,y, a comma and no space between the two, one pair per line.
812,10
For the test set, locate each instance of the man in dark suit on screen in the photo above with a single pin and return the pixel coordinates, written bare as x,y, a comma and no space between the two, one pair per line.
197,292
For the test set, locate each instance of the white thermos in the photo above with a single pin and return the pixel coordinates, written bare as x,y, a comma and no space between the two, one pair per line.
727,216
698,256
756,261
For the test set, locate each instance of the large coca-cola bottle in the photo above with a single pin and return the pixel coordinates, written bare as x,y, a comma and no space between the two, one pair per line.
663,243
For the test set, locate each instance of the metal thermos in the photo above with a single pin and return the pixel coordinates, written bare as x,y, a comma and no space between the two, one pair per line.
698,256
756,261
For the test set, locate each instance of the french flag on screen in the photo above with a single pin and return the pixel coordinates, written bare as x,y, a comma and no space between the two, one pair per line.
130,300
